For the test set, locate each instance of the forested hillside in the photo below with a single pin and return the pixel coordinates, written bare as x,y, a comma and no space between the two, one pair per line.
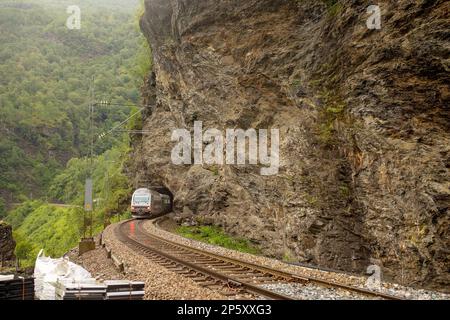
38,224
44,88
47,73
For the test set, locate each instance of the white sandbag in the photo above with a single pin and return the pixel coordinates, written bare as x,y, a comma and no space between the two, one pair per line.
48,271
42,270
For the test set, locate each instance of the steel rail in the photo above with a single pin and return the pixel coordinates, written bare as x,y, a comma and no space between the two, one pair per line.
184,251
227,280
279,273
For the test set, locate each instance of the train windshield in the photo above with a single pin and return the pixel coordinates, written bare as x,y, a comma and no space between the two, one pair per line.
141,200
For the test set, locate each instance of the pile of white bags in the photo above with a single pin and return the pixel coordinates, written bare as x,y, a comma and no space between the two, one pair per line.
48,272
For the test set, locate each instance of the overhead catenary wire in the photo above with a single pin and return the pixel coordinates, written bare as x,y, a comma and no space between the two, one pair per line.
135,131
120,124
108,103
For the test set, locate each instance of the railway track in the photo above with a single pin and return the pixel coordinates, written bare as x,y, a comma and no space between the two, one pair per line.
233,278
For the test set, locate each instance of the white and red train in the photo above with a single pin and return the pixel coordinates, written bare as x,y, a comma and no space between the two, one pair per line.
150,203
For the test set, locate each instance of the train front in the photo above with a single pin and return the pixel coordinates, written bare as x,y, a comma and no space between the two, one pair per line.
141,204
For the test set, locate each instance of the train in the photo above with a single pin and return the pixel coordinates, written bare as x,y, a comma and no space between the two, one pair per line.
147,203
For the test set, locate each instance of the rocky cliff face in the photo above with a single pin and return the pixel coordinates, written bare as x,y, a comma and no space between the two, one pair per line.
363,118
7,244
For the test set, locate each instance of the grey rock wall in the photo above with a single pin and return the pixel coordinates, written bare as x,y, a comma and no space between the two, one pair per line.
363,118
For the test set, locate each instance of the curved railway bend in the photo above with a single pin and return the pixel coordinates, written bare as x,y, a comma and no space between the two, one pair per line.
230,277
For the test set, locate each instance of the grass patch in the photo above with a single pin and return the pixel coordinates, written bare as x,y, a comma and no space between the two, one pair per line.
334,7
287,257
216,236
214,170
332,111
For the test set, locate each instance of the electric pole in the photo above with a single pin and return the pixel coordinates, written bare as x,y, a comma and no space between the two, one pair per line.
92,146
87,243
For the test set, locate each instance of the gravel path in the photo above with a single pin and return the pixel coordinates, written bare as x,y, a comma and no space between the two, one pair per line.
97,263
358,281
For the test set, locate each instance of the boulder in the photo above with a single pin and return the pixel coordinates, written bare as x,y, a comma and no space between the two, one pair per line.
7,243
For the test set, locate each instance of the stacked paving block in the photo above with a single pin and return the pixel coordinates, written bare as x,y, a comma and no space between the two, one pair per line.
80,291
124,290
16,288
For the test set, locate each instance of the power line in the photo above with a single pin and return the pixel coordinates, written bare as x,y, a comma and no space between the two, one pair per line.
135,131
120,124
108,103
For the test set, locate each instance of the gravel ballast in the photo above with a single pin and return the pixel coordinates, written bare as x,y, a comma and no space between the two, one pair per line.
160,283
163,284
313,292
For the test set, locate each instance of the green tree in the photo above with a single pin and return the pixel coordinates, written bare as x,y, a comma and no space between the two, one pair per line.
44,88
23,249
44,119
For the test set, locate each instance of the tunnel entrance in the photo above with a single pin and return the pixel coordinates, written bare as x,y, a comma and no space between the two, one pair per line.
156,186
163,190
